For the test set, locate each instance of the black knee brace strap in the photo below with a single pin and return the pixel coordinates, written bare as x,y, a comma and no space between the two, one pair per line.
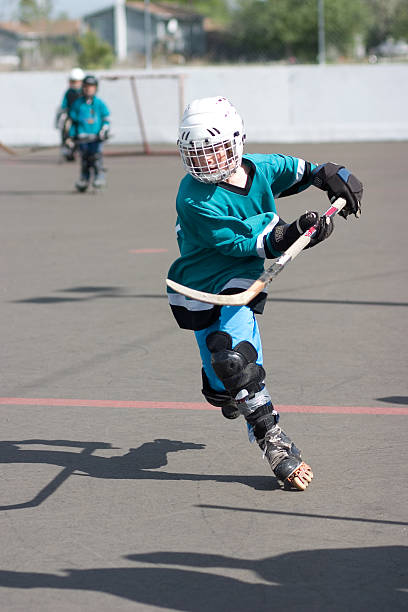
213,397
235,367
222,399
262,420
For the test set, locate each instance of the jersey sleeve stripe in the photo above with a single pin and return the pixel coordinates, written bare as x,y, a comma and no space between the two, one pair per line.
303,176
260,248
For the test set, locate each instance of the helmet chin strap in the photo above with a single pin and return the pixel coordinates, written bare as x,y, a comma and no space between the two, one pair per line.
237,177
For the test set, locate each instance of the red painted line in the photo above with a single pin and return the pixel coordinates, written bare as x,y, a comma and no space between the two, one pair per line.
148,251
34,401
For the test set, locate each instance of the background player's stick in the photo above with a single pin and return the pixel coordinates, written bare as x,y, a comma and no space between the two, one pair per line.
243,298
7,149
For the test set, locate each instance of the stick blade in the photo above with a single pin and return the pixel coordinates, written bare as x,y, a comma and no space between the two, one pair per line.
235,299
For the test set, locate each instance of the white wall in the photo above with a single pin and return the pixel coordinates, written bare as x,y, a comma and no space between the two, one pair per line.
278,103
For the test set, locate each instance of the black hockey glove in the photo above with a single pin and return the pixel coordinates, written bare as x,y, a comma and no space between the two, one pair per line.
284,234
340,183
324,230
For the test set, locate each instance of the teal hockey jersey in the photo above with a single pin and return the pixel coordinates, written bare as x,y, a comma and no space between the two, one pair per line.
88,117
221,229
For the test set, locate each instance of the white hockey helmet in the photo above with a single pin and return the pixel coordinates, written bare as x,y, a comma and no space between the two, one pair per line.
76,74
211,139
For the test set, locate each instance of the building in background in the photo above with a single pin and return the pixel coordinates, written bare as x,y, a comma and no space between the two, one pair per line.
31,46
173,31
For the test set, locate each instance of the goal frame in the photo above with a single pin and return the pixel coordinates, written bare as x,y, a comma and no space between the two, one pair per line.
133,78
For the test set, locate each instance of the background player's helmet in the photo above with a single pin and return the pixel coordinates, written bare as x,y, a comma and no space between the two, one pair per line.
90,80
211,139
76,74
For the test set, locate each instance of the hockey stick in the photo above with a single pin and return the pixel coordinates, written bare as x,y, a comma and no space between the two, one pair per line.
243,298
7,149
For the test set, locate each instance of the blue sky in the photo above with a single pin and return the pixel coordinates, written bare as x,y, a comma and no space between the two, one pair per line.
74,8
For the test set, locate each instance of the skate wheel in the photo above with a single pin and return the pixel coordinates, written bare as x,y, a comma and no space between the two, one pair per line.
301,477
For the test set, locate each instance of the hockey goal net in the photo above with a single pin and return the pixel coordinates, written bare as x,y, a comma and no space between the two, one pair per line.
145,110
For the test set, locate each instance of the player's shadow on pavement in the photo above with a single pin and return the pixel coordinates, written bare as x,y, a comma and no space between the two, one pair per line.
137,464
38,192
352,579
80,294
87,293
394,399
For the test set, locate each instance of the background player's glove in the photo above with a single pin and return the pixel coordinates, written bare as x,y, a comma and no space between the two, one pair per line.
284,234
69,143
104,133
340,183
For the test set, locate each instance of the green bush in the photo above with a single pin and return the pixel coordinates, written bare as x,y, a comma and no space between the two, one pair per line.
94,52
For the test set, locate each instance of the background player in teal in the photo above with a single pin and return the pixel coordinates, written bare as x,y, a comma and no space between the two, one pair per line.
63,121
227,225
90,127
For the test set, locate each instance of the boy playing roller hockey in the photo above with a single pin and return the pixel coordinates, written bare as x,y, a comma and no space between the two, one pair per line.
90,127
227,225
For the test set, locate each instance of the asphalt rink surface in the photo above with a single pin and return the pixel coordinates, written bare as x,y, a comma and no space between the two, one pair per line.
120,488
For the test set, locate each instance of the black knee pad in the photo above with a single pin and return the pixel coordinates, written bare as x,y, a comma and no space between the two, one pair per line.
235,367
262,420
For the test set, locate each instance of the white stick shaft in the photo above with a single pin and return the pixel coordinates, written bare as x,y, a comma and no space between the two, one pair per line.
302,242
240,299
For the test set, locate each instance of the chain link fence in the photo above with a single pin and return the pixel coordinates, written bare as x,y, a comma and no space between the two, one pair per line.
311,31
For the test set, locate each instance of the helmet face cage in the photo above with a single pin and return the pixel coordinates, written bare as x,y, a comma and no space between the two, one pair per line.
211,162
211,139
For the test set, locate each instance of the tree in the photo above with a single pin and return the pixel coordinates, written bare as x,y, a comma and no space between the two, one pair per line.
34,10
95,53
381,17
399,28
344,22
279,29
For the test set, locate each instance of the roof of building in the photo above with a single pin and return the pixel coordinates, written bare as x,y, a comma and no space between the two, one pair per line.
161,9
43,28
165,10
